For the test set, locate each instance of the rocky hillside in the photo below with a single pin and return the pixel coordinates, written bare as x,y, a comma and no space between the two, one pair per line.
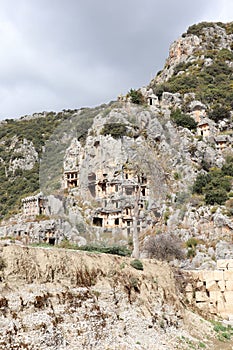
22,144
58,299
158,160
200,62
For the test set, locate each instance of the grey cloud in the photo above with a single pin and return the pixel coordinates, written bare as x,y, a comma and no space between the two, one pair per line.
66,54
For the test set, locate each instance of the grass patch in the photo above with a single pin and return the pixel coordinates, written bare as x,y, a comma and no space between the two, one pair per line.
137,264
224,333
94,248
115,249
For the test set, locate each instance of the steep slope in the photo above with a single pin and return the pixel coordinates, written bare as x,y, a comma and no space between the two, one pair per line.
58,299
22,143
200,62
157,160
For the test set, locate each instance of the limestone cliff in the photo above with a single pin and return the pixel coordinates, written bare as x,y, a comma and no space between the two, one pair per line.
126,166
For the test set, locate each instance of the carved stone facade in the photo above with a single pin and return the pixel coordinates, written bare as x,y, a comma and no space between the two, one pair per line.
104,177
203,128
222,142
35,205
71,178
117,198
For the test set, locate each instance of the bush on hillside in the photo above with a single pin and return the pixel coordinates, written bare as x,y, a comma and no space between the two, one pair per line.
227,168
219,113
115,249
136,96
201,181
196,29
216,196
164,247
216,184
159,89
116,130
137,264
184,120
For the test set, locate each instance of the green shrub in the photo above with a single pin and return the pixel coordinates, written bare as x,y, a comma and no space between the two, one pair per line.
177,176
218,113
66,244
215,185
182,83
166,216
226,335
41,245
115,250
137,264
219,327
201,345
136,96
183,120
134,282
224,332
227,168
159,89
218,68
191,253
116,130
218,181
216,196
191,242
196,29
200,182
181,67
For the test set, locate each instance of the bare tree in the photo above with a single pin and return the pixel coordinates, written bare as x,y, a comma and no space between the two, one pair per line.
136,212
164,247
143,165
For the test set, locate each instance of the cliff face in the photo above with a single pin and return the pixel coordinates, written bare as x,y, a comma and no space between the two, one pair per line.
196,43
123,165
57,299
164,165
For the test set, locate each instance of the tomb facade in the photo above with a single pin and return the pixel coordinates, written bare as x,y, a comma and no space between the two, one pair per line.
35,205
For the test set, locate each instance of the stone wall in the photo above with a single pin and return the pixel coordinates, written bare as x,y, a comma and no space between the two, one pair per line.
212,291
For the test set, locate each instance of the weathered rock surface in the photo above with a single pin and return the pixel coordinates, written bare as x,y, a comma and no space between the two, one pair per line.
185,48
58,299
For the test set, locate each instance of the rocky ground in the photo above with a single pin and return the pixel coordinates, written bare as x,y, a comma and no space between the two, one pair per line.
59,299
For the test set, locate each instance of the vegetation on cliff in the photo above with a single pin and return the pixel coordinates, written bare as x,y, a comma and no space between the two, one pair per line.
216,184
36,130
208,72
197,29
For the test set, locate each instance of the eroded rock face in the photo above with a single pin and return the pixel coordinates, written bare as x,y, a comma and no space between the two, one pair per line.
93,204
169,156
57,299
24,155
187,48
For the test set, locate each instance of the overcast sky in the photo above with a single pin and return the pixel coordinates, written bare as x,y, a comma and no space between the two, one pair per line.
58,54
